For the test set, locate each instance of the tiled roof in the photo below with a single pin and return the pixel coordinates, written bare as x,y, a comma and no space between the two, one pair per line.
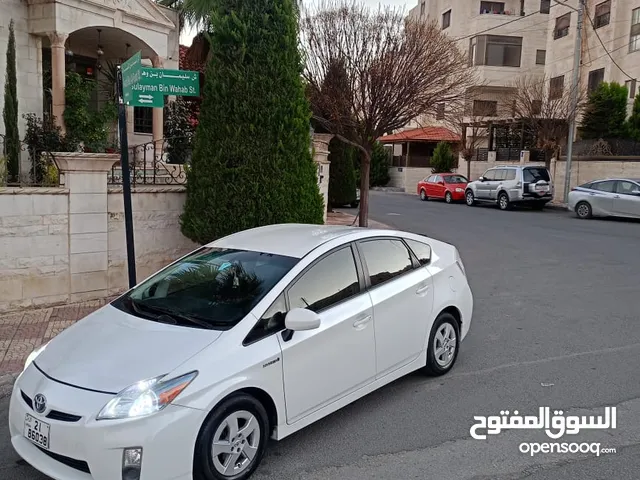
424,134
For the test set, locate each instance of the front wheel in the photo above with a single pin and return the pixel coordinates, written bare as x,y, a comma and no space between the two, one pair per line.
469,198
583,210
423,195
232,440
448,197
444,344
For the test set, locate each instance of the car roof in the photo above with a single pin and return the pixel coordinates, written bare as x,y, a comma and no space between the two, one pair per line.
288,239
613,179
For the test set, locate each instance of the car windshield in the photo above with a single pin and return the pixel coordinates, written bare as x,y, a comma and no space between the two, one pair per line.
212,288
533,175
455,179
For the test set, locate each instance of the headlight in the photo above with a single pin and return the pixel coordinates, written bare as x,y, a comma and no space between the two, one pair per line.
459,190
32,356
145,397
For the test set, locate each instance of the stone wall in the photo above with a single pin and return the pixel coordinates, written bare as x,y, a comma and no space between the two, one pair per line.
46,259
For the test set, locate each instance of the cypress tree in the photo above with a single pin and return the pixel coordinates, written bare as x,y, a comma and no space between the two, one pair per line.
342,174
10,110
606,113
252,162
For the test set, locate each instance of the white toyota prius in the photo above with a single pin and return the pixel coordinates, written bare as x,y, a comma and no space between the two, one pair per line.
253,336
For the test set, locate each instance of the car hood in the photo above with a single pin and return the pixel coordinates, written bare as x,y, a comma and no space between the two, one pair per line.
109,350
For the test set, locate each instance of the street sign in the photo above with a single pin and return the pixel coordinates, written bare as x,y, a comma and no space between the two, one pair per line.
184,83
131,74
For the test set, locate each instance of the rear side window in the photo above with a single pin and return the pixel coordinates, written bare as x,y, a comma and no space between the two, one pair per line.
511,174
421,250
500,174
385,259
607,186
586,185
533,174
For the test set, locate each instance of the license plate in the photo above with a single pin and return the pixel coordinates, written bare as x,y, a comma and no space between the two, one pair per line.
37,431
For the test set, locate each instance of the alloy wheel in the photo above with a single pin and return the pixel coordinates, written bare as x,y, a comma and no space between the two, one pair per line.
447,197
423,195
583,210
504,202
469,198
235,443
444,344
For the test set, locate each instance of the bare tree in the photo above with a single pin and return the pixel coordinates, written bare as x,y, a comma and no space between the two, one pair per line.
396,70
547,109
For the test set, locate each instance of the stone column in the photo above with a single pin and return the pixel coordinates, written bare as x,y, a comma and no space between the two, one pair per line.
158,117
321,157
58,72
85,175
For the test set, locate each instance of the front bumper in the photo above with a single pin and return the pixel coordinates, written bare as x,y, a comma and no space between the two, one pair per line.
457,196
87,449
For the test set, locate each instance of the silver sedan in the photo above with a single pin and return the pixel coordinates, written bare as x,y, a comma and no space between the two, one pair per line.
615,197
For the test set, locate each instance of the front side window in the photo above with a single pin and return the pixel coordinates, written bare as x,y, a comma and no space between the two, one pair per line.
330,281
421,250
271,322
385,259
626,188
607,186
489,175
212,288
456,179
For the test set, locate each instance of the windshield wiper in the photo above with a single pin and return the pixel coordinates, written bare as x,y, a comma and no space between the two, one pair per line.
137,306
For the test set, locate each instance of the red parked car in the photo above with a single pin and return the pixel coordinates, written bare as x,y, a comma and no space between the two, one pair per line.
449,186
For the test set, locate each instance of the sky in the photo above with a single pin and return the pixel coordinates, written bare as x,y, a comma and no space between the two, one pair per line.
187,36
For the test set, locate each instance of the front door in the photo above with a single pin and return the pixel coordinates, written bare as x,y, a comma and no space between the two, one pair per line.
601,196
625,202
323,365
402,295
484,188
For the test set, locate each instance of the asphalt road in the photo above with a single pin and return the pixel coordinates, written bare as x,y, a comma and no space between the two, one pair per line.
556,323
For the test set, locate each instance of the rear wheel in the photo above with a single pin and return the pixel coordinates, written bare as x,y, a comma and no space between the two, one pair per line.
448,197
423,195
469,198
232,440
503,201
444,344
583,210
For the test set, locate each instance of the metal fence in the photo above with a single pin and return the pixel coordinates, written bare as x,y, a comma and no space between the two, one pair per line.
606,147
508,155
36,166
159,162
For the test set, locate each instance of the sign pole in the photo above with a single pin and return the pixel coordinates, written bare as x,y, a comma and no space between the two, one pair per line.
126,181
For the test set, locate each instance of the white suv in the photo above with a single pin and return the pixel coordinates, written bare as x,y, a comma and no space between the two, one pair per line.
512,185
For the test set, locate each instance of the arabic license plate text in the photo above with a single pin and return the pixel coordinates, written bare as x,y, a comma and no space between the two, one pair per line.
37,431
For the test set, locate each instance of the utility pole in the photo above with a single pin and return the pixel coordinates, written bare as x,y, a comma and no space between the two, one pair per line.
575,87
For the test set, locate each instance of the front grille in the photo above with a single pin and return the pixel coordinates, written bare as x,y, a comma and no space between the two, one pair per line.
79,465
53,414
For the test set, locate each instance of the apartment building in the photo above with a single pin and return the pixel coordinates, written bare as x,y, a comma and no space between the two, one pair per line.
610,43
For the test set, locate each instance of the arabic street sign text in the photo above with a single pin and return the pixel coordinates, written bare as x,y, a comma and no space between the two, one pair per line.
171,82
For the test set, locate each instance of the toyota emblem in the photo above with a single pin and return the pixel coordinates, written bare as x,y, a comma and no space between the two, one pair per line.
39,403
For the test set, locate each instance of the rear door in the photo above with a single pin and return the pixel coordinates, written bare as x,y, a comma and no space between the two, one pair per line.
500,175
429,185
601,197
438,187
625,201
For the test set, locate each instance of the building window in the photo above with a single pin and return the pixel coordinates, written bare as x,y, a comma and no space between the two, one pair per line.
496,51
142,120
492,7
485,108
596,77
446,19
631,88
545,6
556,87
541,56
603,11
440,111
634,42
423,7
562,26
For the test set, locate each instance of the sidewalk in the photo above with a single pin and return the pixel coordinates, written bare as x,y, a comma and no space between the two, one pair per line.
24,331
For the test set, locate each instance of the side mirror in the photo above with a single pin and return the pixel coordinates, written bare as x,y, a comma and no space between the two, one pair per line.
300,319
481,179
636,193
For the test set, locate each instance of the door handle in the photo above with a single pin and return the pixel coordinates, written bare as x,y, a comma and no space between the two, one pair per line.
421,290
616,196
362,322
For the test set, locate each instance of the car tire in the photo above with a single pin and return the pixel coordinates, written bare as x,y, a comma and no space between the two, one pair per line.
583,210
243,411
423,195
448,197
469,198
503,201
439,362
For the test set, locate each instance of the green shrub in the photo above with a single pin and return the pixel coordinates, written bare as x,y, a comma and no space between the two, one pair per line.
634,119
342,175
606,112
379,173
251,163
3,171
443,160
